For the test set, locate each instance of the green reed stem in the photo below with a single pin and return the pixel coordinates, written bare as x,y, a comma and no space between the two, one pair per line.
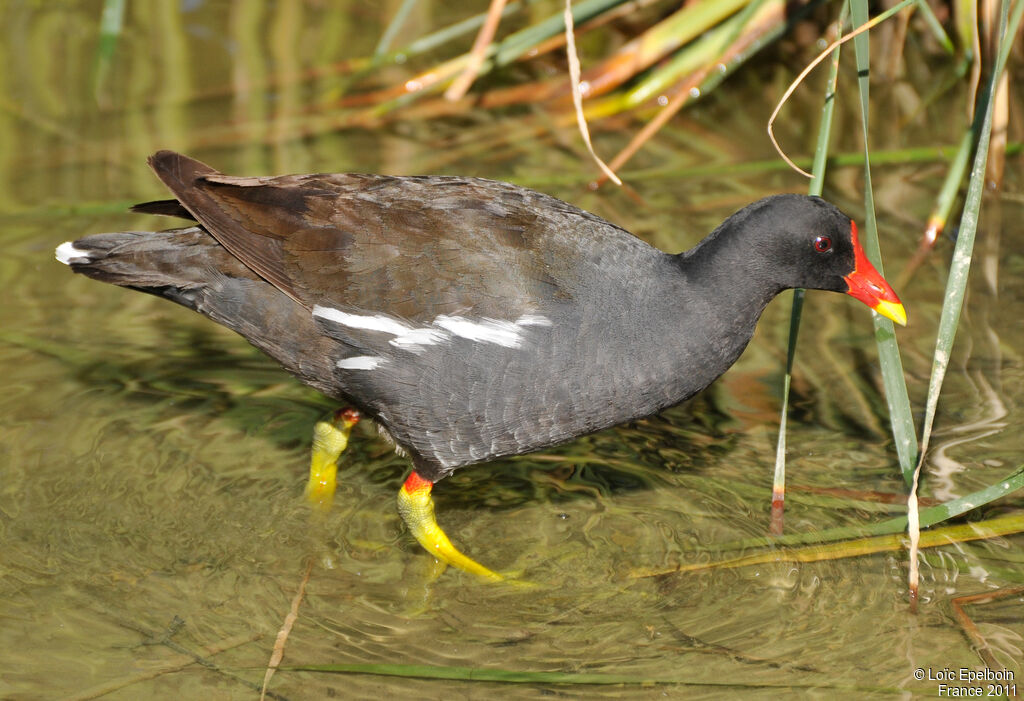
858,547
951,186
815,188
896,394
711,48
449,33
393,28
936,27
521,42
702,51
111,25
929,516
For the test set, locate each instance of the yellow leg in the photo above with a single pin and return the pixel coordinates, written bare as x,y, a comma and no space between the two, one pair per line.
417,510
330,438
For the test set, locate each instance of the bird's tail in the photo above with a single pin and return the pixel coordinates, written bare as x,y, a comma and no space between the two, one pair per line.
189,267
174,264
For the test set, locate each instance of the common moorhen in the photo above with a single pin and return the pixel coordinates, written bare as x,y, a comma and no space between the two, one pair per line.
471,319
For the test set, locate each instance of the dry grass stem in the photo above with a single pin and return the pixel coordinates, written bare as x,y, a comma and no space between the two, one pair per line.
971,630
810,67
286,629
457,90
577,93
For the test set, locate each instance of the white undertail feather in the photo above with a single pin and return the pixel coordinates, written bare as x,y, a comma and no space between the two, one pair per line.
66,253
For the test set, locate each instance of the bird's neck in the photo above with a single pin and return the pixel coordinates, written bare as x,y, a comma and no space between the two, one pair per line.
730,265
708,314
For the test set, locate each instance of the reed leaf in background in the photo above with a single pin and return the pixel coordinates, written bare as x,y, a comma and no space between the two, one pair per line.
956,285
897,395
675,54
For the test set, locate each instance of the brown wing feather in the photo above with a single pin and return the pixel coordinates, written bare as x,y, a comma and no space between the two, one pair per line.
257,246
413,247
164,208
420,247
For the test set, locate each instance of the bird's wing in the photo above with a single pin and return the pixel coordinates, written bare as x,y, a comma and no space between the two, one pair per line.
411,248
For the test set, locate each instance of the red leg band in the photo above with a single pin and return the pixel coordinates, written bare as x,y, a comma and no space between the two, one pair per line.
415,483
348,415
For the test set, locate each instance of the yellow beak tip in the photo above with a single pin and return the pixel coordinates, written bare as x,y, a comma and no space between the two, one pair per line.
892,310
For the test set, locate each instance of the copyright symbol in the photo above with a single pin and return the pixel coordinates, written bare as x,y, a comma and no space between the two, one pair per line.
918,674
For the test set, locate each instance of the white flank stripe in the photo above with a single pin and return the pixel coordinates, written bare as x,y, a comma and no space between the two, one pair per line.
66,252
360,362
378,322
503,333
416,338
533,320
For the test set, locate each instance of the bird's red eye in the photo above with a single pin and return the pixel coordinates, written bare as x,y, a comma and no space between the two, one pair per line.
822,244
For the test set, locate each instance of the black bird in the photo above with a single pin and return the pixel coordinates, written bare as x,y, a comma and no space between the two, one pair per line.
471,319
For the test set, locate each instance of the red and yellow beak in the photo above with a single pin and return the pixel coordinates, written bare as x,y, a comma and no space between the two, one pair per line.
867,285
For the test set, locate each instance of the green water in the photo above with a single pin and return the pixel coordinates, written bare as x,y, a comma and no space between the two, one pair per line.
152,463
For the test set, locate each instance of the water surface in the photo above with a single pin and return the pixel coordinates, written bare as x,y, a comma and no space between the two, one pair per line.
153,463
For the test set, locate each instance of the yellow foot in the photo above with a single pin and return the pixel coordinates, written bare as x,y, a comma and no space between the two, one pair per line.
417,510
330,438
